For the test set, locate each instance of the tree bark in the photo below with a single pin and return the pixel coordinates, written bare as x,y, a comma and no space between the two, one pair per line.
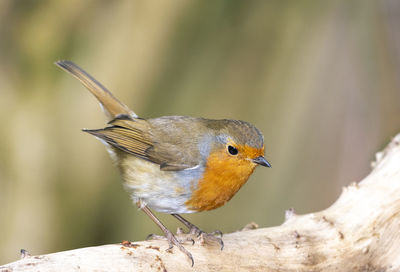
359,232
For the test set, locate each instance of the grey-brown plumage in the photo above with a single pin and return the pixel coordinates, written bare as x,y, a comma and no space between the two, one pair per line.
168,141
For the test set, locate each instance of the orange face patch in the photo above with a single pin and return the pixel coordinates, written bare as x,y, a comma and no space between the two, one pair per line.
223,176
249,152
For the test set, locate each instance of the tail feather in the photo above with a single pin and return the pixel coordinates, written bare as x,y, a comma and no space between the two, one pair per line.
110,104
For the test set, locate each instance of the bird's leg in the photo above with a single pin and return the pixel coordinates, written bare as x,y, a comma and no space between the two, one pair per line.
193,229
172,241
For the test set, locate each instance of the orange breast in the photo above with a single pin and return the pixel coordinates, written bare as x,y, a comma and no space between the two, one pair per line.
223,176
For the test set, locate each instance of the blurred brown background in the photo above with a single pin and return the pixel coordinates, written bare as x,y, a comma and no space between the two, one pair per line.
319,78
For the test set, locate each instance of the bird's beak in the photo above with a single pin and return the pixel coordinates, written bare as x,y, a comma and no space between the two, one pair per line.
262,161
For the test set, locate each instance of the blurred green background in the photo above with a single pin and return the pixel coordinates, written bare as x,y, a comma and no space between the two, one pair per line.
320,79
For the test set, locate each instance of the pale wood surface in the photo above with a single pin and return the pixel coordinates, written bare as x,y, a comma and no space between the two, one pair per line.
359,232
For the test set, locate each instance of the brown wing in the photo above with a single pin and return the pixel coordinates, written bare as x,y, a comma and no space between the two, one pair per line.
176,146
132,136
126,136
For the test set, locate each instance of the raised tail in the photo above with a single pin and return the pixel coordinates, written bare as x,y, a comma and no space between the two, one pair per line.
111,105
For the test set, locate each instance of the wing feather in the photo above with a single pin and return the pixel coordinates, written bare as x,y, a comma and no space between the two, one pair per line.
139,138
125,136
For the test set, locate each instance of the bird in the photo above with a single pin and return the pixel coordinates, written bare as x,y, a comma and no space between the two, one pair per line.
175,164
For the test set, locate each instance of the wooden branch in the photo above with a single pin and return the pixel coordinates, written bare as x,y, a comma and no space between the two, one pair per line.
359,232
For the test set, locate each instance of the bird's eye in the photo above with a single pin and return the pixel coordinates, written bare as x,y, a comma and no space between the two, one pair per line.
232,150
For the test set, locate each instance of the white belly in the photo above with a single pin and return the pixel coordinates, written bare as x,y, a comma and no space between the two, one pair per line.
163,191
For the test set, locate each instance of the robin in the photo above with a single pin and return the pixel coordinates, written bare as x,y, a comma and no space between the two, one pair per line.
175,164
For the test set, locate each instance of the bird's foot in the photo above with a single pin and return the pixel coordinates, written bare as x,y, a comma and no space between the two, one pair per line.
173,241
204,237
161,237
